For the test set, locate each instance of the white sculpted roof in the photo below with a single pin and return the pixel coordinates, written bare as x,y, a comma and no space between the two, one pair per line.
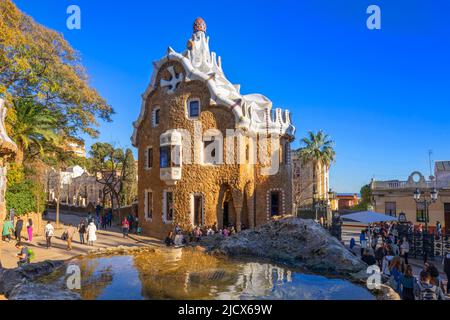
253,112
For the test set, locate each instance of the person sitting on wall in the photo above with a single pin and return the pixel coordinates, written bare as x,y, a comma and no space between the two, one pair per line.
169,239
24,255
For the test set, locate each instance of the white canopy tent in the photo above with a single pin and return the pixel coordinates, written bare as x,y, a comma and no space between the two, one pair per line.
368,217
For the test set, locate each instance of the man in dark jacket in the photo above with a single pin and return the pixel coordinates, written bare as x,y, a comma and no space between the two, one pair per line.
19,227
447,270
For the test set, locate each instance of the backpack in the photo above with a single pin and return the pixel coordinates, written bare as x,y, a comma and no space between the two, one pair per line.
428,293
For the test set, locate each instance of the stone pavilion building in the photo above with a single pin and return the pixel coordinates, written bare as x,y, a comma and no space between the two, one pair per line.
208,154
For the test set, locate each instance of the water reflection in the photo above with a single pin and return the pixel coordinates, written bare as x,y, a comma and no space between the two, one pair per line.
191,274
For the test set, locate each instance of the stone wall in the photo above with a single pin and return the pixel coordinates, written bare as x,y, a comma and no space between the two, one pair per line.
235,183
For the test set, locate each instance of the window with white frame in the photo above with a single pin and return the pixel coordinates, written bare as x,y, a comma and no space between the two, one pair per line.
197,209
193,108
148,210
168,210
149,158
155,116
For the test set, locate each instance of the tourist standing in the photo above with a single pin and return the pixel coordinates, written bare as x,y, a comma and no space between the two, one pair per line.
438,229
70,232
387,261
125,227
49,232
362,240
7,230
30,230
91,231
82,231
19,227
408,284
427,290
395,272
446,264
379,255
404,249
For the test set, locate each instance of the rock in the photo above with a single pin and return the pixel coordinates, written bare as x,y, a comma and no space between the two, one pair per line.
11,279
38,291
293,241
386,293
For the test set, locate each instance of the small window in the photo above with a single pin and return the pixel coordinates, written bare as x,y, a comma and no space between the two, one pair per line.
194,108
149,158
168,206
148,205
198,210
391,208
155,117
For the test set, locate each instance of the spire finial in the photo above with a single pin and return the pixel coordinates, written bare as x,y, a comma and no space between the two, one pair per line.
199,25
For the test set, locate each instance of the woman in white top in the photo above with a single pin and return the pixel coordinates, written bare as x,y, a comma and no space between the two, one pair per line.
91,232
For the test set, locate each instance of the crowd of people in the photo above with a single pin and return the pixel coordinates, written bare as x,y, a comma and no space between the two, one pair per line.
178,238
382,245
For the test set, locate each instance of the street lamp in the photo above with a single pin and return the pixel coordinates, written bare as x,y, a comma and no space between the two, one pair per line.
316,203
419,198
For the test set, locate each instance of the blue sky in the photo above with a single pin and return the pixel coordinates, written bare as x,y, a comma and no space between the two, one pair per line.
382,95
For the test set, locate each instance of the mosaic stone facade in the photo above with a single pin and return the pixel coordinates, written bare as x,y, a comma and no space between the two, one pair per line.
189,95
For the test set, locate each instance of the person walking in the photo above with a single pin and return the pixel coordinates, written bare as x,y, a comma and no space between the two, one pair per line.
446,263
91,231
49,232
70,232
30,230
125,227
408,284
7,230
82,231
19,227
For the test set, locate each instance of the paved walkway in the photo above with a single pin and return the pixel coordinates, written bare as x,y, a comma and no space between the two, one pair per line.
105,238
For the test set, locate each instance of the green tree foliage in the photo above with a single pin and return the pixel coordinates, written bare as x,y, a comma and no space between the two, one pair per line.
33,129
128,192
23,194
39,64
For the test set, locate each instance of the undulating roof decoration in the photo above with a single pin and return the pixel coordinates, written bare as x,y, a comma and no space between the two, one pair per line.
7,146
253,112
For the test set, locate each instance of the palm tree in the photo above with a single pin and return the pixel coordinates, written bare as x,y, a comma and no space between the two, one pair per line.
318,150
33,128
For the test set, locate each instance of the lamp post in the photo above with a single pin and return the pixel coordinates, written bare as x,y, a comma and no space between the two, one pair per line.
322,204
331,197
419,198
315,202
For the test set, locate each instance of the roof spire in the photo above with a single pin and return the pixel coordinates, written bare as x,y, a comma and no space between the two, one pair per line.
199,25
